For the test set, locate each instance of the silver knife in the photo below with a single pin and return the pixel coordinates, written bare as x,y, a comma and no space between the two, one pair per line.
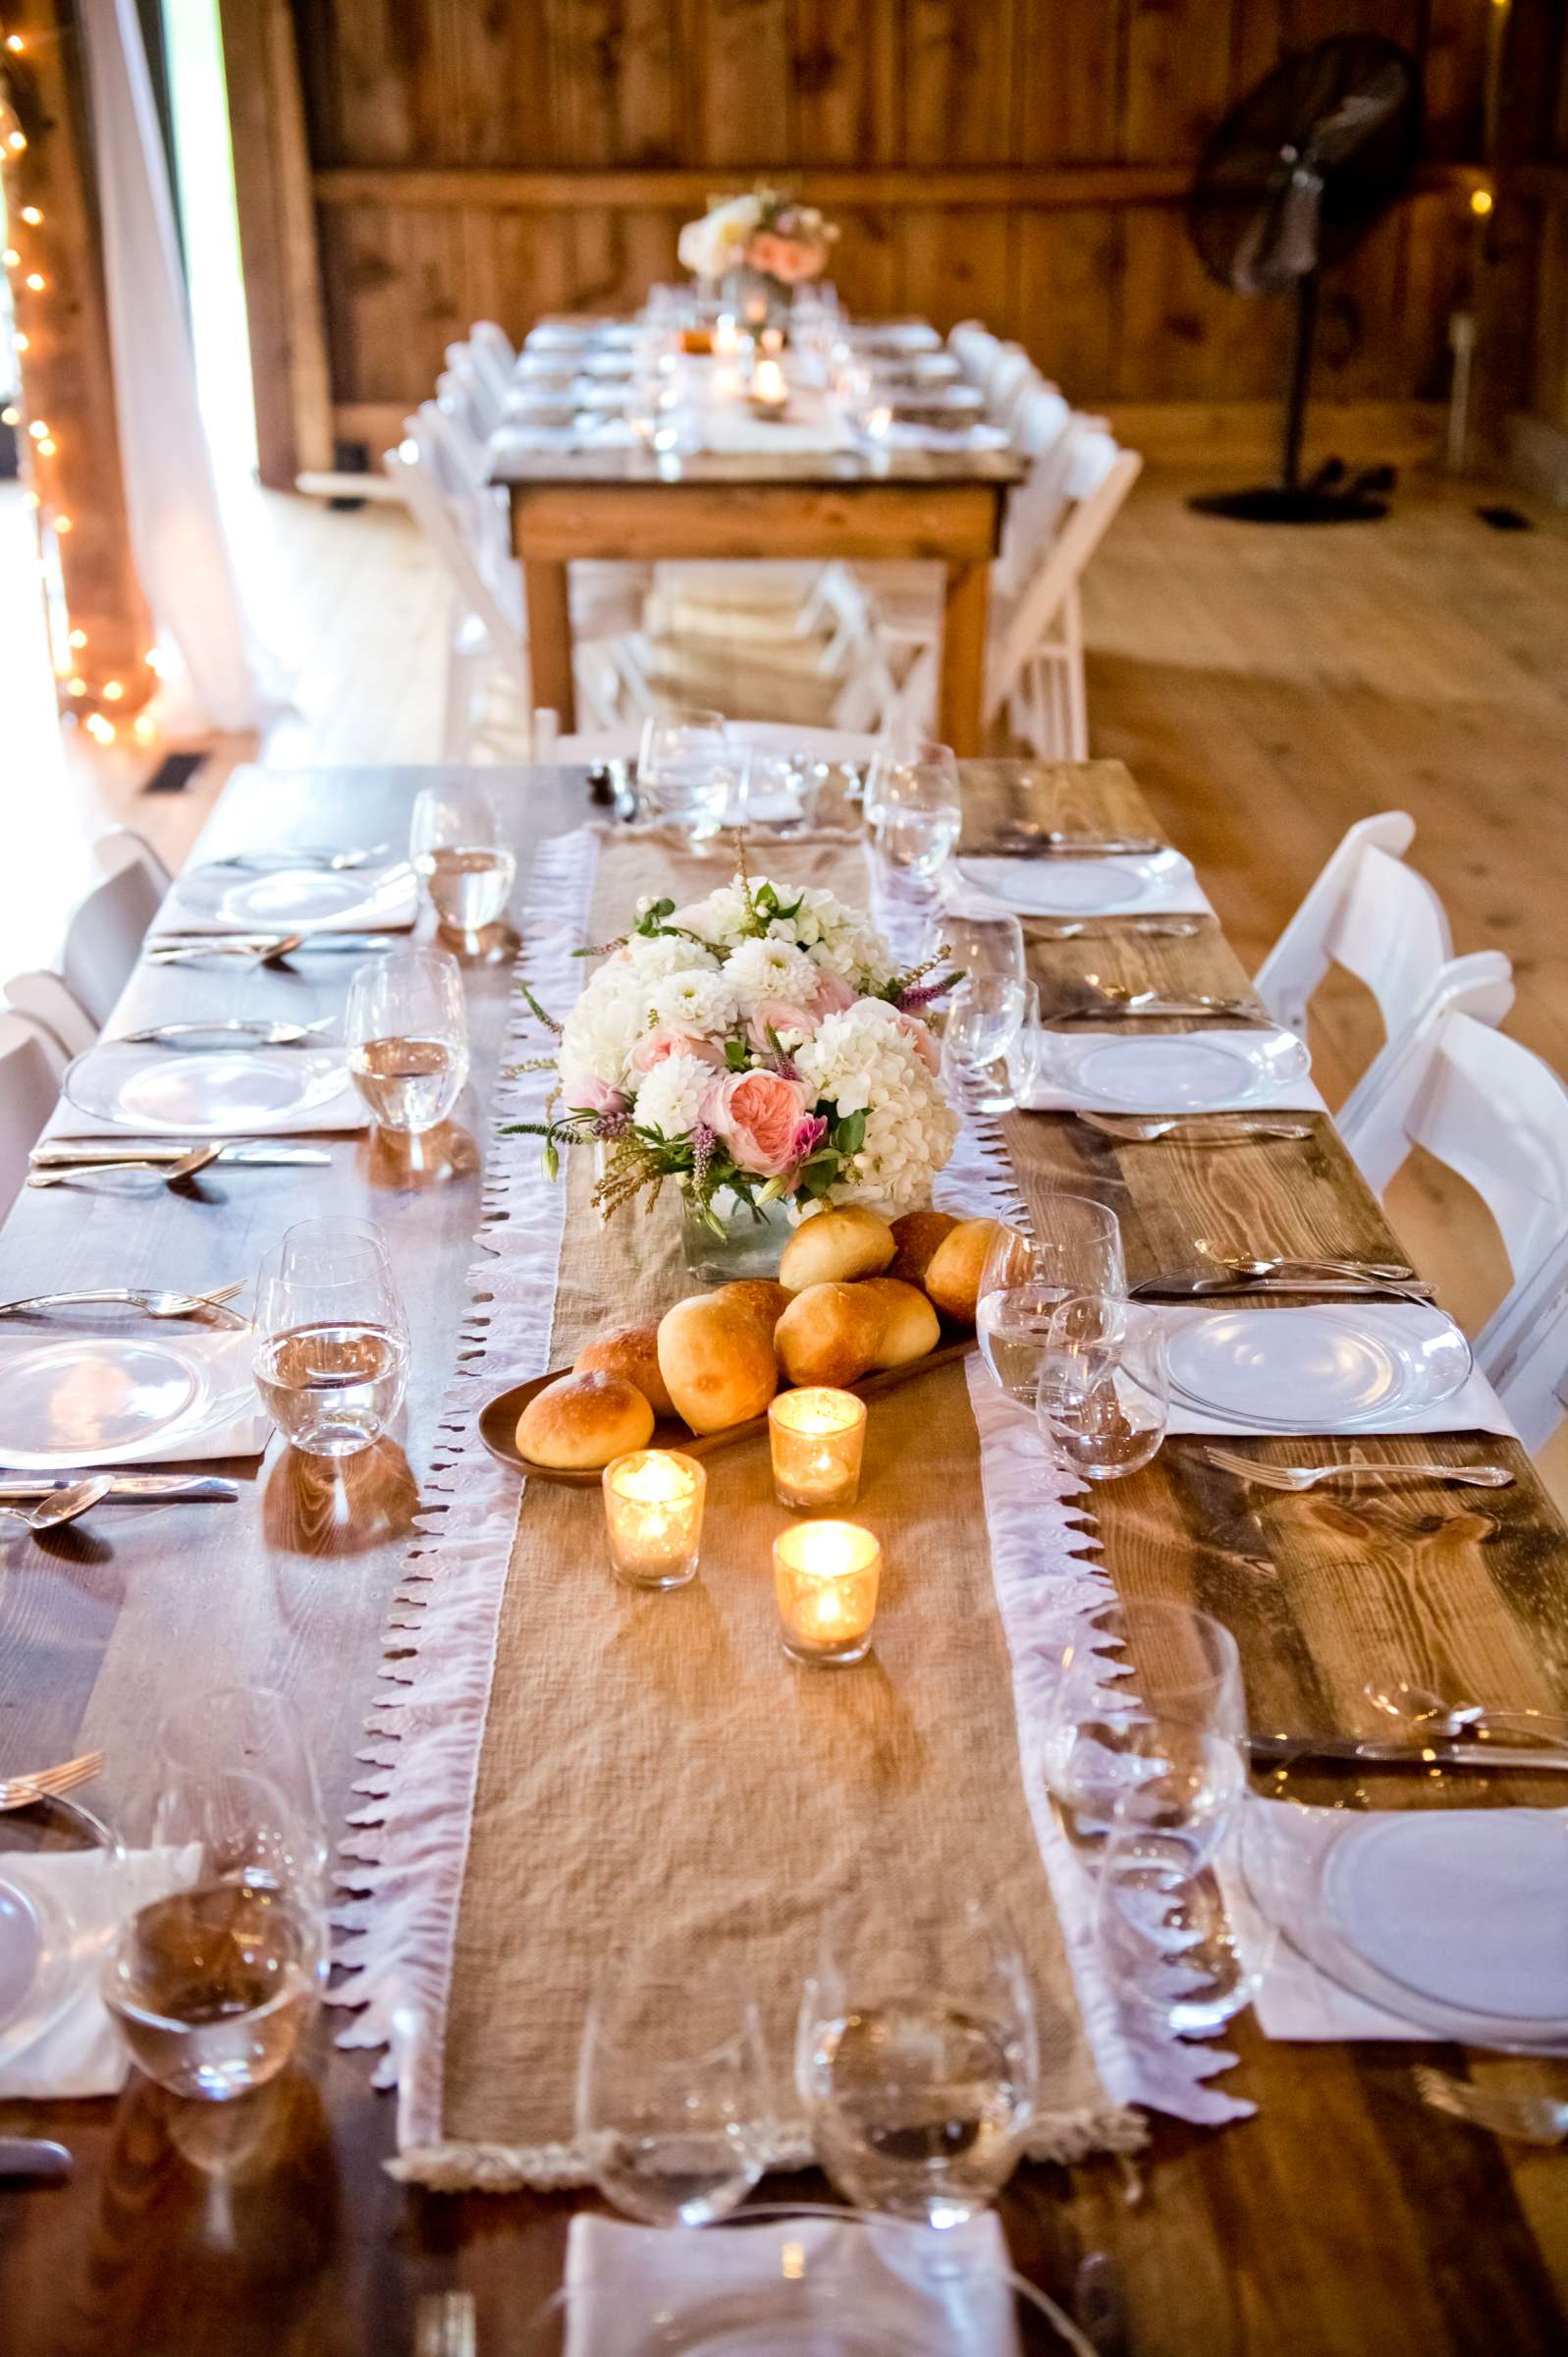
1444,1754
1079,846
75,1154
186,945
1212,1289
135,1489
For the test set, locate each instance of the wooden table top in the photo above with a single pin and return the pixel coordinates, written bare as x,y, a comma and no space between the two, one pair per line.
620,466
1343,2219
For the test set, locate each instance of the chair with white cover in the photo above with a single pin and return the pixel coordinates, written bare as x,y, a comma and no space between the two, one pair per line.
1387,928
486,385
1524,1347
493,346
1495,1112
28,1088
104,938
123,846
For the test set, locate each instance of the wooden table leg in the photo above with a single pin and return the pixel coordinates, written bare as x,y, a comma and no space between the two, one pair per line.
961,696
550,640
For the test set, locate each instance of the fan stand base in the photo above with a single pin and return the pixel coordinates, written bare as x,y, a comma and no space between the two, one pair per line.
1275,503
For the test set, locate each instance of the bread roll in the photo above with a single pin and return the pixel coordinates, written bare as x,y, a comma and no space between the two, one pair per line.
580,1422
834,1245
830,1334
763,1296
631,1352
717,1359
953,1274
917,1236
909,1325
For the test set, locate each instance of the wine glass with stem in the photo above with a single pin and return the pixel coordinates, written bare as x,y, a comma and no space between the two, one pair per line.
1075,1248
332,1340
459,853
405,1027
913,804
693,770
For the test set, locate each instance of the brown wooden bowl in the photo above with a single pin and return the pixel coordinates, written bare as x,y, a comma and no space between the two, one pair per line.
498,1418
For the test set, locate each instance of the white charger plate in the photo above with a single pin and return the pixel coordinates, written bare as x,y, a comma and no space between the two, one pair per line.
1073,887
219,1092
91,1397
294,900
1172,1072
1323,1368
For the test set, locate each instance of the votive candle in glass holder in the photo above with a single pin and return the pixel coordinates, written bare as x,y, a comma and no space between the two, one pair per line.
818,1436
652,1511
825,1577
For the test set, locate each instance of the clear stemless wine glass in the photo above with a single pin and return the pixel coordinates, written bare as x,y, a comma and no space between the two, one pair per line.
914,803
459,850
917,2059
332,1341
253,1730
1166,1932
405,1028
1025,1278
986,942
1144,1691
984,1018
1104,1389
675,2105
691,770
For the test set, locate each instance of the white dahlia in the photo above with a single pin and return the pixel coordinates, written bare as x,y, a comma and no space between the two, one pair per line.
671,1096
696,998
768,968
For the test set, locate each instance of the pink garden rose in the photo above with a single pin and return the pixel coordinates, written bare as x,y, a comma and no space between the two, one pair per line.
922,1039
756,1115
782,1015
832,996
671,1040
789,259
586,1094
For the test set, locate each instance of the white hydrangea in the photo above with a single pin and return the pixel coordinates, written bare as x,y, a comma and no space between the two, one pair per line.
651,958
670,1098
697,999
865,1061
767,969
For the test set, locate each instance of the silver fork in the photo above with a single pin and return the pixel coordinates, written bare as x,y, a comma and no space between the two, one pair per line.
1307,1477
1531,2118
46,1784
159,1304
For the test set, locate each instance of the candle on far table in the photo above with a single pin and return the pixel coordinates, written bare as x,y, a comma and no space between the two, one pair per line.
769,390
817,1436
772,340
725,337
825,1578
652,1511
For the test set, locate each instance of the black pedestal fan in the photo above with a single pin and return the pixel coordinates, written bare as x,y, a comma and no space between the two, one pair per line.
1291,182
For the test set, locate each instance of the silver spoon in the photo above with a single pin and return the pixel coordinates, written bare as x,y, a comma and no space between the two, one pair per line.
1397,1271
1429,1714
186,1167
64,1505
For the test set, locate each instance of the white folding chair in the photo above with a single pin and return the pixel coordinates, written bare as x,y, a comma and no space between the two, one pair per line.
1524,1347
493,346
28,1088
123,846
1497,1115
42,999
104,938
1365,912
485,384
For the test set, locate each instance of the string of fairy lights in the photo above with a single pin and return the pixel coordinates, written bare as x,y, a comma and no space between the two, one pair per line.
81,701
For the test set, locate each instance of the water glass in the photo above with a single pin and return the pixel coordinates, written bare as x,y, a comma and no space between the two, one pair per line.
674,2100
1165,1930
1104,1389
332,1340
407,1031
1146,1691
1024,1279
250,1732
917,2061
459,853
985,1016
913,804
984,942
693,771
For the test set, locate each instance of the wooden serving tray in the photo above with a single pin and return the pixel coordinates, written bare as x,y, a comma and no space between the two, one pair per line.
498,1418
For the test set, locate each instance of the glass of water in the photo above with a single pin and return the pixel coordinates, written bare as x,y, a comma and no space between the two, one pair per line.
913,804
984,1019
332,1340
459,853
673,2102
1166,1932
407,1031
1025,1278
1104,1389
250,1732
692,771
917,2059
1148,1694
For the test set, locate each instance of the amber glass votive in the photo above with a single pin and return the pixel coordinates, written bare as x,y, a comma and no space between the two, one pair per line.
652,1511
818,1436
825,1577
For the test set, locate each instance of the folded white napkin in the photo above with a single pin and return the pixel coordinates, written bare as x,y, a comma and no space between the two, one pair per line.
225,1418
620,2277
1473,1407
386,900
1050,1088
81,2054
1166,886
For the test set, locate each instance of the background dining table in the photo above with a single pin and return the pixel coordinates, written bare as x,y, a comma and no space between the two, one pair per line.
1343,2217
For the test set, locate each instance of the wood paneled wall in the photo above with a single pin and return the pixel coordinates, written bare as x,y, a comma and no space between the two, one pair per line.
1022,160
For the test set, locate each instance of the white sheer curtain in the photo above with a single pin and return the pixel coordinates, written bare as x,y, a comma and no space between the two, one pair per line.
177,528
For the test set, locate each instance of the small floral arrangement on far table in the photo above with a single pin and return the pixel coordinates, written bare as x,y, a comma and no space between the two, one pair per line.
758,1046
764,231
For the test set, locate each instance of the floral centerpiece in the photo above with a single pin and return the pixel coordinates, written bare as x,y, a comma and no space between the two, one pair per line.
761,1049
781,241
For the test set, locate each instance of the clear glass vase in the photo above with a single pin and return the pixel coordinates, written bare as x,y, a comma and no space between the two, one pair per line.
749,1244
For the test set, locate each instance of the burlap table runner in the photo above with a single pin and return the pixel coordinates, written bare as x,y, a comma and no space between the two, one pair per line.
654,1767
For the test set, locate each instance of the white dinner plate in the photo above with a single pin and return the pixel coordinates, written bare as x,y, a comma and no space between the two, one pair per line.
73,1401
55,1918
1073,887
1320,1367
293,900
1172,1072
219,1092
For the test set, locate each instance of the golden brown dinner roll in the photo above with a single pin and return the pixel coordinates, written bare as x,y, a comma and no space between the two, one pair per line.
631,1352
830,1334
580,1422
953,1274
833,1245
909,1327
917,1236
764,1296
717,1359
